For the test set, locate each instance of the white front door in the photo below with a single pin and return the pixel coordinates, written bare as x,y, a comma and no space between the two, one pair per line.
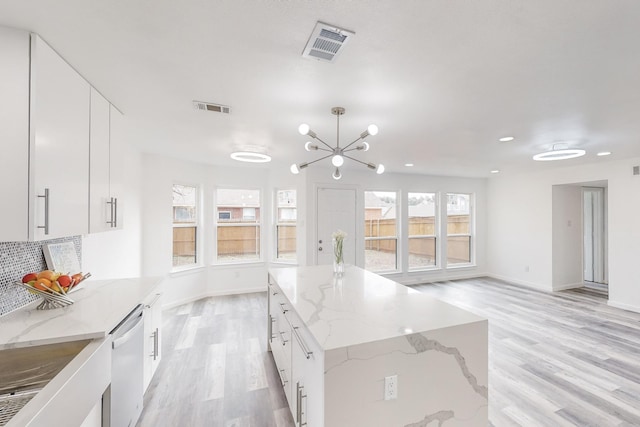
336,211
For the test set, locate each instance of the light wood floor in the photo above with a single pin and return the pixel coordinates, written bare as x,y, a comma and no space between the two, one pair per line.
562,359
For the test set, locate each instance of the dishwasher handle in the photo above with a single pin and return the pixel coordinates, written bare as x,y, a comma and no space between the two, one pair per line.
127,335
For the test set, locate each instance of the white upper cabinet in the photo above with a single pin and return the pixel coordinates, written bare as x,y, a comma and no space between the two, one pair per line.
50,118
100,203
116,166
59,142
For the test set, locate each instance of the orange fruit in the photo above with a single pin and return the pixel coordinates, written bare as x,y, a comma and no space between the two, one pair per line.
42,284
47,274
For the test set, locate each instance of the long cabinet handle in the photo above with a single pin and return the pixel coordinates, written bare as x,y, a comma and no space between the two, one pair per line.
299,397
282,378
270,328
115,212
304,347
113,203
156,337
45,196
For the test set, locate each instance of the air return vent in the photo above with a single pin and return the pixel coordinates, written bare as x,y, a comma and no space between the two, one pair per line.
326,42
636,170
207,106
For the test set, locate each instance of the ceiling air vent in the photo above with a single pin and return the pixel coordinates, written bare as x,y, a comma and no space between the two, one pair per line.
636,170
326,42
207,106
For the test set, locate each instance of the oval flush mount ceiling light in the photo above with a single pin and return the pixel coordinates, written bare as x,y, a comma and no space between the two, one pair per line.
559,154
250,157
506,139
604,153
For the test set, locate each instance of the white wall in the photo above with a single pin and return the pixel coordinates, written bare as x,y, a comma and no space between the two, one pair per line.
567,237
520,225
117,254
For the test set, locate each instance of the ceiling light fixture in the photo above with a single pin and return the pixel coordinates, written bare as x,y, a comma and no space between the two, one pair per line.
495,171
559,154
250,157
507,139
408,165
604,153
337,153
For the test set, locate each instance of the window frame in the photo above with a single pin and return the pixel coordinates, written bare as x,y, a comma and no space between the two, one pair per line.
398,228
217,223
198,226
471,234
435,236
277,223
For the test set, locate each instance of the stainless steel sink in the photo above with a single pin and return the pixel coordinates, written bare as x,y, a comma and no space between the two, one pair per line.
26,371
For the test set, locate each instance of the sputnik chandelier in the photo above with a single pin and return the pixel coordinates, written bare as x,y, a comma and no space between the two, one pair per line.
337,153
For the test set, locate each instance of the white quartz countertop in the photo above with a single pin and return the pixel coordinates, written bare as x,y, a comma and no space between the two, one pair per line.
361,306
99,305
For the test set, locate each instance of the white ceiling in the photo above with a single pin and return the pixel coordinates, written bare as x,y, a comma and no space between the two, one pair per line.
443,79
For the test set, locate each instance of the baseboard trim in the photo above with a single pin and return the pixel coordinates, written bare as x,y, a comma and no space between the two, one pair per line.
624,306
223,292
568,286
520,282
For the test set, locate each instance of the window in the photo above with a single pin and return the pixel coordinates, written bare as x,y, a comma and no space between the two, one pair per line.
286,217
422,230
380,231
185,225
459,229
238,226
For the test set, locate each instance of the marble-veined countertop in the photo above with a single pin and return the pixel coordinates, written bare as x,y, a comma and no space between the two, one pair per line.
361,306
99,305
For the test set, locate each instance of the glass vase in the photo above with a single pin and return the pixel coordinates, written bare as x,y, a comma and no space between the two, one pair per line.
338,257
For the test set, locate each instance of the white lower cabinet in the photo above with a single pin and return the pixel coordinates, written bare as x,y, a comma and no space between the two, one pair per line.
152,333
307,376
299,361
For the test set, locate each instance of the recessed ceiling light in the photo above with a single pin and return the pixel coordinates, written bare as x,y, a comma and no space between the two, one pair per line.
604,153
495,171
506,139
408,165
250,157
563,154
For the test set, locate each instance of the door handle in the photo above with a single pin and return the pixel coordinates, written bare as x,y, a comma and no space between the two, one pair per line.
320,248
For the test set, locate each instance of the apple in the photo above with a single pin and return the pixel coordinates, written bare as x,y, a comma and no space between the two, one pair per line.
65,280
77,278
29,277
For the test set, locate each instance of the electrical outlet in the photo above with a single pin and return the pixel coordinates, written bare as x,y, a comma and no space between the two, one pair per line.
391,387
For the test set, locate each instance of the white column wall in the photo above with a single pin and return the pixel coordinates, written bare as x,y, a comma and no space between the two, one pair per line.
520,225
567,237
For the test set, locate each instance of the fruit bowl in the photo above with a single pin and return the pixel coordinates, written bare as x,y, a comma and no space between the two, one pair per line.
52,287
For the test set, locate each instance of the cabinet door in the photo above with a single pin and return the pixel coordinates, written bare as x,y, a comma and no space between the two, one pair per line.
14,134
59,146
152,333
307,373
116,161
100,204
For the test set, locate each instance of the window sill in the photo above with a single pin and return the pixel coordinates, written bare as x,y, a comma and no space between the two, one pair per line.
424,270
280,262
189,269
223,265
461,267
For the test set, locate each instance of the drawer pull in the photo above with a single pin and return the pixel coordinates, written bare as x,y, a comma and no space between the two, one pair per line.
284,310
304,347
282,378
284,342
300,396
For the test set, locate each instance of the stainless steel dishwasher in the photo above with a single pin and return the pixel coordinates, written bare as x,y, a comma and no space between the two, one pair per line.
123,403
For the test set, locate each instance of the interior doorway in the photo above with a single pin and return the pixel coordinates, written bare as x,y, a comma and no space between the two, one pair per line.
594,210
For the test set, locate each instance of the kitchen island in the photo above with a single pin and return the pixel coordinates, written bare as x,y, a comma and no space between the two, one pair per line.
362,350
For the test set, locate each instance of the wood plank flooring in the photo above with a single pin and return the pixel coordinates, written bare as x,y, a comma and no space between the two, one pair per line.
215,369
561,359
555,359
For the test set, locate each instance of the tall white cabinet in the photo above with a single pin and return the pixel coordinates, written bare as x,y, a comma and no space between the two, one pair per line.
50,119
105,213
